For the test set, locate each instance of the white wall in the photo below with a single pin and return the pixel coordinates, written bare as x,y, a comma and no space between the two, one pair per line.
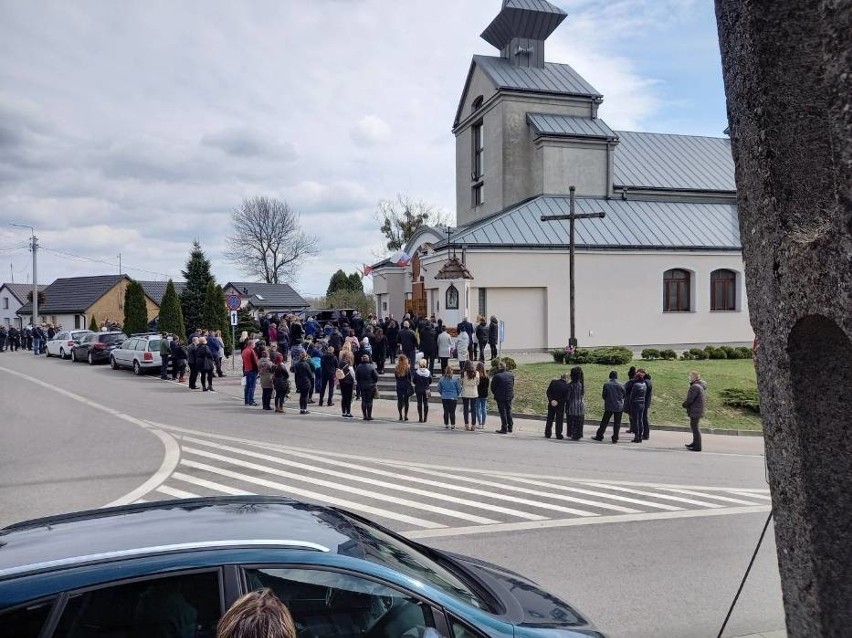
619,297
7,315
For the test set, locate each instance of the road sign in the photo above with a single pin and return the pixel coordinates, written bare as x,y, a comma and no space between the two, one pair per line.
233,302
234,319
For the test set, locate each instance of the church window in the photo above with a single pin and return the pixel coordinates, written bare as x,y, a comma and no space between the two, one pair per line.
452,302
478,152
676,289
477,103
723,290
483,302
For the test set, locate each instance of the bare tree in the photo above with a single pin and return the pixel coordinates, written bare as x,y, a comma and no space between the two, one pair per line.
400,219
268,241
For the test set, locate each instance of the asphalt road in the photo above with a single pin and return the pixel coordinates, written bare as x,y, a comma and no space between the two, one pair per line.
647,540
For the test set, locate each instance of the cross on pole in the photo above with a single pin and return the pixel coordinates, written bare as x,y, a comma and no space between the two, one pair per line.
572,217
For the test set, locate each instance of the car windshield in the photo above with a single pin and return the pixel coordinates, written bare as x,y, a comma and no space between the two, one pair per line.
378,547
111,338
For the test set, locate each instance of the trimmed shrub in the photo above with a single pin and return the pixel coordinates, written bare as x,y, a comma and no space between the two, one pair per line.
93,325
509,361
745,353
650,354
742,398
697,353
558,356
668,355
718,353
615,355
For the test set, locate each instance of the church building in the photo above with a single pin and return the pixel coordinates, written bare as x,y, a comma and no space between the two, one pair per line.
662,266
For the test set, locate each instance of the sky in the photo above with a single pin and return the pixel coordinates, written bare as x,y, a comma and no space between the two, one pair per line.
134,128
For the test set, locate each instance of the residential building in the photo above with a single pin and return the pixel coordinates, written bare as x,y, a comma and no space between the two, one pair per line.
261,298
12,297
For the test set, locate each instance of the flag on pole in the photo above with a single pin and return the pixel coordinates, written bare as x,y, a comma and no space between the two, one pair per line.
366,270
401,258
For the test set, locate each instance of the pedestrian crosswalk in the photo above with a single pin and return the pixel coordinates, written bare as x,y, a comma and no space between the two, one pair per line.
424,500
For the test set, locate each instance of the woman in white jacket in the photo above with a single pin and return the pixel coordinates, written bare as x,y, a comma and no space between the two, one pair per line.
462,347
445,344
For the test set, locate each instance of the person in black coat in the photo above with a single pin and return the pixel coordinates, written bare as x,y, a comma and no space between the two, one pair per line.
380,350
303,376
636,402
366,378
557,395
493,335
392,334
328,368
481,334
503,389
408,342
429,343
204,364
646,428
613,397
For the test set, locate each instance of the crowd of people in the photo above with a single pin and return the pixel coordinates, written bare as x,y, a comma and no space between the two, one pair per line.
200,354
28,338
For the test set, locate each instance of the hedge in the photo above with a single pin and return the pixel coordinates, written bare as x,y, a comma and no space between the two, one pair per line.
717,352
743,398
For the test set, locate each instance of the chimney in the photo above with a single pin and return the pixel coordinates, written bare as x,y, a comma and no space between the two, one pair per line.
520,30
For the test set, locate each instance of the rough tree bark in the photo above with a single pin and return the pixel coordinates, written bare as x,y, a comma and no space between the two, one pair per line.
788,78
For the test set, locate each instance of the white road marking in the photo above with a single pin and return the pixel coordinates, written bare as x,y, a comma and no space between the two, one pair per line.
571,522
352,477
176,493
323,498
339,487
172,450
716,497
665,497
752,494
210,485
580,490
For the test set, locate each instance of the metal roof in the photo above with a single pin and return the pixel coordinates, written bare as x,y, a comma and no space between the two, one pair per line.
674,162
569,126
628,225
533,19
454,269
553,78
73,295
269,296
156,290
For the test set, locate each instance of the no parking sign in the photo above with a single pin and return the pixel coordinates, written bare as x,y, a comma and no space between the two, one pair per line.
233,302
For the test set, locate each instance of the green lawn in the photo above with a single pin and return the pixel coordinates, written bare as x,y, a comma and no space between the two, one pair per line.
671,381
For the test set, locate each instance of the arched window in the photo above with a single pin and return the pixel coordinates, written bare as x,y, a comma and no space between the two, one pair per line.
676,288
723,290
452,302
477,102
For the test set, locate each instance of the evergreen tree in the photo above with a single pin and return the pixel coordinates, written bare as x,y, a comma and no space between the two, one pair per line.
210,316
197,275
356,284
245,322
135,310
171,315
224,321
339,281
93,324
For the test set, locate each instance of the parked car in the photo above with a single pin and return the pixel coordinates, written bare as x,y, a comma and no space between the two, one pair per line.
141,569
97,347
333,316
140,353
63,343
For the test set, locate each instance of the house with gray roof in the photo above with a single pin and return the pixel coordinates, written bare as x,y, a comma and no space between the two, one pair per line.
262,298
664,264
72,302
12,297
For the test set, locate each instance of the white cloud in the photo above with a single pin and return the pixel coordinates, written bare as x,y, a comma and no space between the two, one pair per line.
119,120
371,130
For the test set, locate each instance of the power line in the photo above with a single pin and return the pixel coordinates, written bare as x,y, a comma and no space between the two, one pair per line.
71,256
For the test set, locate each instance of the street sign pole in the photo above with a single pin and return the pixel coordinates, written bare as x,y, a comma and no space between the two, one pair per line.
234,321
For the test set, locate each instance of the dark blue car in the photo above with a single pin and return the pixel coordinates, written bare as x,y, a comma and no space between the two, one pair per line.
170,569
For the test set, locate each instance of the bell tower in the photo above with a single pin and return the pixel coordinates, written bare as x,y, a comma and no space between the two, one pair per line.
521,28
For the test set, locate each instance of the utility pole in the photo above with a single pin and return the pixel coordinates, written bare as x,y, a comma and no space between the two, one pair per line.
571,217
34,249
119,263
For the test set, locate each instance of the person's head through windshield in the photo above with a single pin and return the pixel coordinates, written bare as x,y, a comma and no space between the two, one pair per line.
259,614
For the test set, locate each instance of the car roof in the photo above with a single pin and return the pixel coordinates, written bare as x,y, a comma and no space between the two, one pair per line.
168,526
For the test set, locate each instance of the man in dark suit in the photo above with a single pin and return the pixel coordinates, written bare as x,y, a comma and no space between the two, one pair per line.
557,394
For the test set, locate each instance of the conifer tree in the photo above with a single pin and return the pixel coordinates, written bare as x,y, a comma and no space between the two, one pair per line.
171,315
211,318
246,322
93,324
224,321
135,310
197,275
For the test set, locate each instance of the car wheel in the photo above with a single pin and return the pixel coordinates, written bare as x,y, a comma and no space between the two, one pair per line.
137,369
62,353
47,353
113,364
91,359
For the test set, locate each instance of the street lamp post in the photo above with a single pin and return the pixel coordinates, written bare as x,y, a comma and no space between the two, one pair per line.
34,248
